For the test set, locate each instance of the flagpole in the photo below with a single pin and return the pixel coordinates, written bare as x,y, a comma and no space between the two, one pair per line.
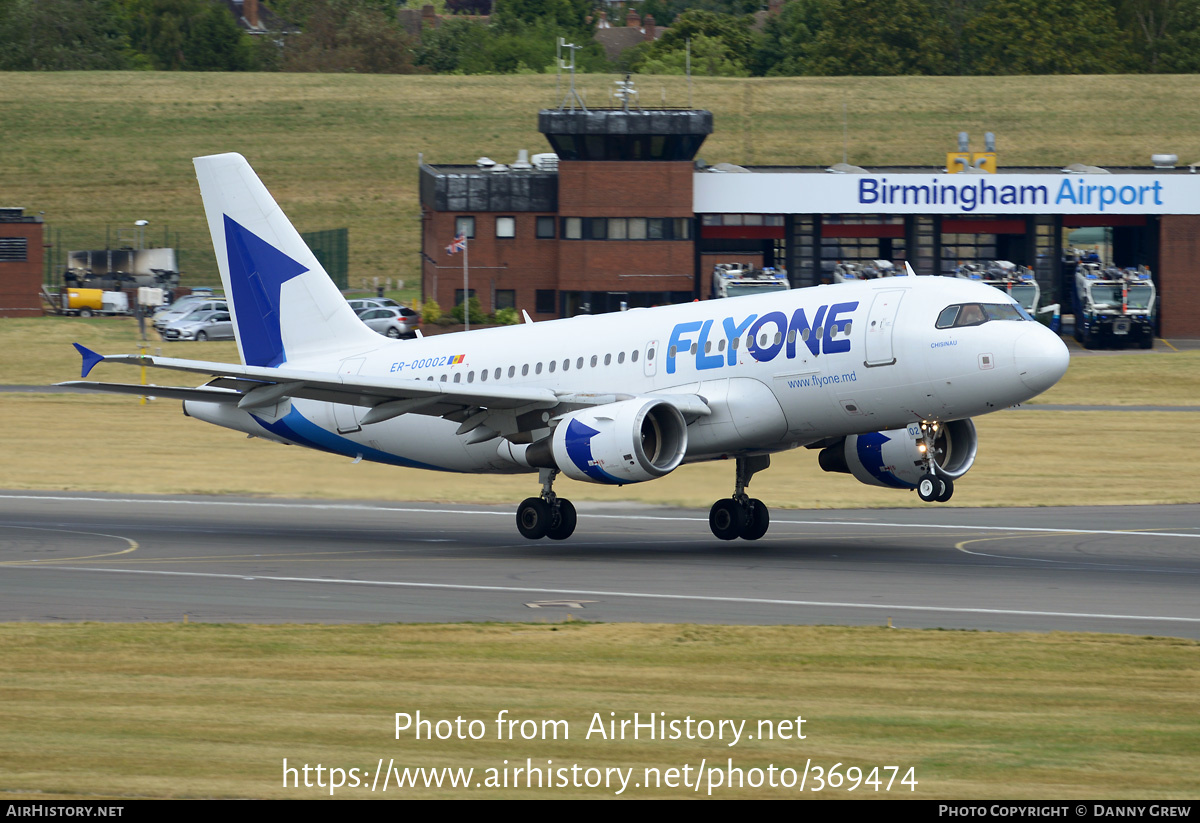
466,290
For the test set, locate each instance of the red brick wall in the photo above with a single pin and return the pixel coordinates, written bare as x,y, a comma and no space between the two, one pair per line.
20,282
1178,276
624,189
523,263
633,265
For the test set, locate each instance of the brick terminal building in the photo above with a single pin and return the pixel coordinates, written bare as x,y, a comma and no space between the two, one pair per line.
21,256
628,217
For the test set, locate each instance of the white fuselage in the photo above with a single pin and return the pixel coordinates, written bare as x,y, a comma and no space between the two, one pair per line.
881,366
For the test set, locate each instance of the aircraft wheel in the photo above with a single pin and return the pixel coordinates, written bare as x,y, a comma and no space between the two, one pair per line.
947,489
929,487
564,519
201,336
534,518
757,521
727,519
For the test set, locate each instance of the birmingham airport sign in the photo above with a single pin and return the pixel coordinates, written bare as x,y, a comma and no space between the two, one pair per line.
802,193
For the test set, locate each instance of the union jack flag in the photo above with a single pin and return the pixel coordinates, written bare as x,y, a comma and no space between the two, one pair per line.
460,243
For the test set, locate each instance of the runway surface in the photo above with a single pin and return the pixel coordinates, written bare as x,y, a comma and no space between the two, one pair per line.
87,556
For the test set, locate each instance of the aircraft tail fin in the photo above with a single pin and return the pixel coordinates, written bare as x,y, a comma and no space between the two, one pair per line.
283,303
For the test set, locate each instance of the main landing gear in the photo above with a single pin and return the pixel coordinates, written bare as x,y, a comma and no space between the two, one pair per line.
932,486
546,516
741,515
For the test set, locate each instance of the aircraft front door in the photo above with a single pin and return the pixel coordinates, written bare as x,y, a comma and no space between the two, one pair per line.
880,324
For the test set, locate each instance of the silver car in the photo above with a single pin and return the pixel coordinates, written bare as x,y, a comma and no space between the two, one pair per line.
394,322
186,306
202,325
363,304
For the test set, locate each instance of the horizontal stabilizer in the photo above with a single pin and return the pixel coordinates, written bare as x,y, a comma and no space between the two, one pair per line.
90,358
173,392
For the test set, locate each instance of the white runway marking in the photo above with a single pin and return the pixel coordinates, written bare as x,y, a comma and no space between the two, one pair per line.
637,595
774,522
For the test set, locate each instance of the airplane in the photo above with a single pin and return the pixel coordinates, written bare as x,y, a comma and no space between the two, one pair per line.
882,377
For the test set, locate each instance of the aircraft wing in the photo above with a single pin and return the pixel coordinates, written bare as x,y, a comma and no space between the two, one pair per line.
497,409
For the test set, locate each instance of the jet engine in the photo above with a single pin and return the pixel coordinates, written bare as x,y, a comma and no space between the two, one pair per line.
896,459
625,442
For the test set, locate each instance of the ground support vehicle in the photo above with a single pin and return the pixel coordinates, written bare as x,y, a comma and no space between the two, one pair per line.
89,302
1114,308
849,272
737,280
1017,281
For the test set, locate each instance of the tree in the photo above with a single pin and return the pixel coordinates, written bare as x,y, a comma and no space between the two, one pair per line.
788,38
61,35
864,37
187,35
1044,37
567,16
1162,35
727,42
476,47
348,36
711,57
665,11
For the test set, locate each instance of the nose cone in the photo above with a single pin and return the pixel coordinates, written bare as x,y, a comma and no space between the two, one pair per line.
1041,358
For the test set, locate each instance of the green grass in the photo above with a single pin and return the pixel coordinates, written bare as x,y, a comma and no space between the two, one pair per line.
212,710
1026,458
95,149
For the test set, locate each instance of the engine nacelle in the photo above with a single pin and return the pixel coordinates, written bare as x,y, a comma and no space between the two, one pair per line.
894,458
625,442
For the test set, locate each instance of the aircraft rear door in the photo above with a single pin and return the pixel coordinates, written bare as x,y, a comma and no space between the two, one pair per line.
880,324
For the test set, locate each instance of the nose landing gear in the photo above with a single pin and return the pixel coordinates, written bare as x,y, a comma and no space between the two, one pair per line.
933,486
741,515
548,515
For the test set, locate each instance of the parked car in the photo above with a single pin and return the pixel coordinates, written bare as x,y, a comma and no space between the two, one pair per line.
363,304
395,322
200,325
185,306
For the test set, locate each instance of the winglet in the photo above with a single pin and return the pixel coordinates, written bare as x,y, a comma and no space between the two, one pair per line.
909,269
525,314
90,359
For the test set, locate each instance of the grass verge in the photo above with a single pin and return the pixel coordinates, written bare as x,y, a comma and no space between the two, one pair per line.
212,710
1026,458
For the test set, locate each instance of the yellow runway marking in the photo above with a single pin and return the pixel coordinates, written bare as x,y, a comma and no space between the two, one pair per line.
1168,342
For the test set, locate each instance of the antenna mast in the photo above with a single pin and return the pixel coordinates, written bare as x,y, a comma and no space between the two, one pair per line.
572,95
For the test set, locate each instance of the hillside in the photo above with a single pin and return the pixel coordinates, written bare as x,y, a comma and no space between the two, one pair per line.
98,150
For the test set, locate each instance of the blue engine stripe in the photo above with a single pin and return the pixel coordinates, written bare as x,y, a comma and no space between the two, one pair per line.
298,429
870,455
578,441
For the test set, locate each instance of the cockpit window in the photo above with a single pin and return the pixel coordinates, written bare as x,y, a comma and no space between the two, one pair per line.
975,314
946,318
